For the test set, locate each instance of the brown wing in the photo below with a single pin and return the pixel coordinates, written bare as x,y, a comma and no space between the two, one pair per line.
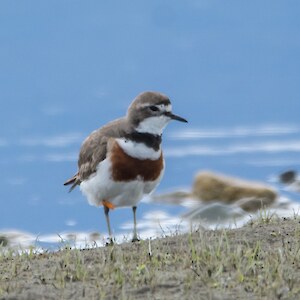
93,150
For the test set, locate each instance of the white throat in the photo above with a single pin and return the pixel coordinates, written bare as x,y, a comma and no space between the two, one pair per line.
138,150
153,125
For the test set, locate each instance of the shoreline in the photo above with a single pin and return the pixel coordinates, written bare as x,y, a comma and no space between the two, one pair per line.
153,224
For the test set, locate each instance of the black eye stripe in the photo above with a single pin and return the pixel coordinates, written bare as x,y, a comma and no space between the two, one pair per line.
153,108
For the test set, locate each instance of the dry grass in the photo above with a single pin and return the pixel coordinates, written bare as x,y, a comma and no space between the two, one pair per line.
258,261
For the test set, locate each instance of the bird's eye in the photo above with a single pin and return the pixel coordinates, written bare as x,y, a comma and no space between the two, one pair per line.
153,108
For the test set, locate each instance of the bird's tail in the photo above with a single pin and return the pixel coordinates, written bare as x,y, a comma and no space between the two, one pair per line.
74,181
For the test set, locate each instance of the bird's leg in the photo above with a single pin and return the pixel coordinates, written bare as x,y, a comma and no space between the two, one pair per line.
106,212
135,237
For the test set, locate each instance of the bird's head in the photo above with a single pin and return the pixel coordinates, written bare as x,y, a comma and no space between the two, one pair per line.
150,112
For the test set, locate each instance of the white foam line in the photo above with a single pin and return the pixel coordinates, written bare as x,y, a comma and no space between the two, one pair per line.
273,162
265,147
61,157
59,141
258,131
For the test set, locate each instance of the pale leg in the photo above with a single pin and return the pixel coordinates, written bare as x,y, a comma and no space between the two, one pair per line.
135,237
106,212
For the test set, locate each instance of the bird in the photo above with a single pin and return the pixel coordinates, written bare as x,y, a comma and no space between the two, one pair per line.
123,161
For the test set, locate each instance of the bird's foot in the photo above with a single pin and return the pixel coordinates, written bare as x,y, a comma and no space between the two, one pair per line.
135,239
110,242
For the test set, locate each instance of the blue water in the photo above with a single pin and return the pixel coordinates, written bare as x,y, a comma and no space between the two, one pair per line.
67,68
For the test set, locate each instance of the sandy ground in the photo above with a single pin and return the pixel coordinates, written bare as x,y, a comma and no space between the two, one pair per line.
258,261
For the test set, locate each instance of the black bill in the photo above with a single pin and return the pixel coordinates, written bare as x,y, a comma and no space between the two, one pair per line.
175,117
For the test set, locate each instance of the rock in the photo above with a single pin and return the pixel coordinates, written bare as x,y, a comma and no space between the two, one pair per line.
250,196
254,204
288,177
176,197
3,241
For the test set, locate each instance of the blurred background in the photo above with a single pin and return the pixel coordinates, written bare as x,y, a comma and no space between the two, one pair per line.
67,67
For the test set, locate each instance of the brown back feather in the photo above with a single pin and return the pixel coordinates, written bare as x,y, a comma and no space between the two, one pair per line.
93,150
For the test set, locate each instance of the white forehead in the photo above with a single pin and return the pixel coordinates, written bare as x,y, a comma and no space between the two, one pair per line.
161,107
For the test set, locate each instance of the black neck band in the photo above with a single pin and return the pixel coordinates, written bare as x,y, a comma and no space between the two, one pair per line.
150,140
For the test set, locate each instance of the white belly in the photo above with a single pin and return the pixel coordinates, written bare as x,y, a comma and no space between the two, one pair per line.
101,187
